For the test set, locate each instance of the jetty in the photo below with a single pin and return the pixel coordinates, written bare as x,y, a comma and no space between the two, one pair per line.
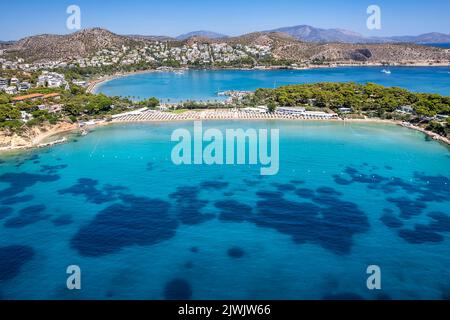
52,143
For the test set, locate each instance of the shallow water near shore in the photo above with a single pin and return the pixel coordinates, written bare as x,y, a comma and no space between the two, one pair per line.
348,195
205,84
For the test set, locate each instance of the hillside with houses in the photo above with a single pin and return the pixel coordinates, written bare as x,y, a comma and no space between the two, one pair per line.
101,48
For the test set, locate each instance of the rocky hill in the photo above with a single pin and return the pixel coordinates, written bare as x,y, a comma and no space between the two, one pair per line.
288,48
282,46
79,44
372,53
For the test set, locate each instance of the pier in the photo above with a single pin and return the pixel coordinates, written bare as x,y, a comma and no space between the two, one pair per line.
49,144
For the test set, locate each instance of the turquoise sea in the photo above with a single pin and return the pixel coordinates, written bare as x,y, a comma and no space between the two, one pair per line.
204,84
347,196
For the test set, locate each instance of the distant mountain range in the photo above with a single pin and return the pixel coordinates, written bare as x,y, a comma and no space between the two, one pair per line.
202,34
306,33
151,38
311,34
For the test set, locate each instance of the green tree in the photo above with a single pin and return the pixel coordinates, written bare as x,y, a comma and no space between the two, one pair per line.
272,107
436,127
151,103
8,112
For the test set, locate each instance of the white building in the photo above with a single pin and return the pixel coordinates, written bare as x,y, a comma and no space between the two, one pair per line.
51,80
54,83
405,109
79,83
11,90
24,86
3,83
291,110
259,109
25,116
345,110
299,111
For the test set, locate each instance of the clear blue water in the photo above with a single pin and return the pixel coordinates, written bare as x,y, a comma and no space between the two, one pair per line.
204,84
347,196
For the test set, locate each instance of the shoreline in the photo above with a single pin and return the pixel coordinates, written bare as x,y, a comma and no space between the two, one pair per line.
93,84
38,141
432,135
41,134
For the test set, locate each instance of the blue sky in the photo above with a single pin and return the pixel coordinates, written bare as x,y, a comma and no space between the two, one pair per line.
173,17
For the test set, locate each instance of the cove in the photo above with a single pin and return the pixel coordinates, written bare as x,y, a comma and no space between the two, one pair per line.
204,84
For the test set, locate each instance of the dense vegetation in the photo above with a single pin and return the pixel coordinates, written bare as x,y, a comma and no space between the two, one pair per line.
370,100
366,98
9,116
193,105
77,105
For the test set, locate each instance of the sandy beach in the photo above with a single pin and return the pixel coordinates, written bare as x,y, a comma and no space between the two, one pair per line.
42,137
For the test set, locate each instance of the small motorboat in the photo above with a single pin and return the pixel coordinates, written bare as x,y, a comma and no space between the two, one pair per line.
386,71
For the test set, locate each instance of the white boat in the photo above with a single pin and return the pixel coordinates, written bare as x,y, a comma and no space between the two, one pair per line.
386,71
